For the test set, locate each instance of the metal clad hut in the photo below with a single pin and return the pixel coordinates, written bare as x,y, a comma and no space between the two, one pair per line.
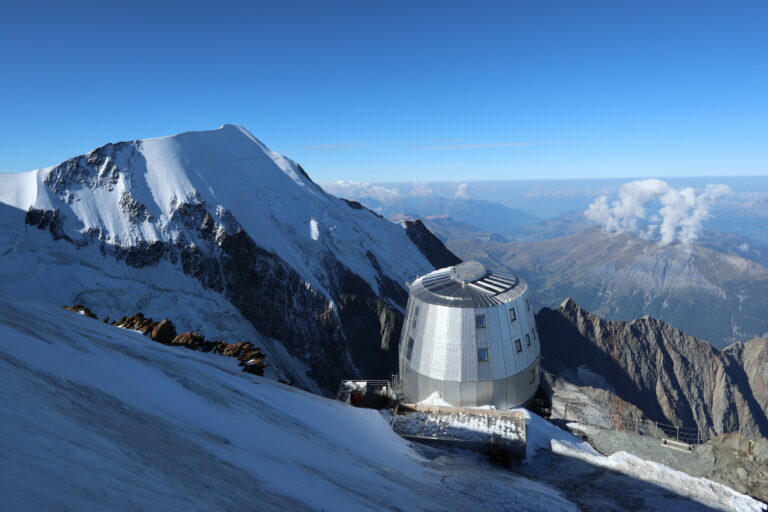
469,334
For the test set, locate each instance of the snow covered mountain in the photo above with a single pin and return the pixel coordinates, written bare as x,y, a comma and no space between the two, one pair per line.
217,232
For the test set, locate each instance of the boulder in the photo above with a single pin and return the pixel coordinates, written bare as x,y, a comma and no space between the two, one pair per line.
235,349
147,327
164,332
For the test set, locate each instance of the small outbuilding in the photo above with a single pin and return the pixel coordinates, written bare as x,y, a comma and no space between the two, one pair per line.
470,335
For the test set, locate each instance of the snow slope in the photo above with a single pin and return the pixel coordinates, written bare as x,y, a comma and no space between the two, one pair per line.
100,418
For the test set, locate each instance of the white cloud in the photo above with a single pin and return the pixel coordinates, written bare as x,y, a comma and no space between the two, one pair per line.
681,216
360,190
420,188
462,191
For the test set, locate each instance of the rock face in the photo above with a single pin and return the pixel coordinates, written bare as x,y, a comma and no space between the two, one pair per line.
752,358
670,376
431,246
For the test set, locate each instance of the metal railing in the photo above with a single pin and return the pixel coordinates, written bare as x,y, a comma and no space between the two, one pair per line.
633,424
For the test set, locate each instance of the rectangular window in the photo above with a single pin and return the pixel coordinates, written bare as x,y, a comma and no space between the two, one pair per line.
409,352
512,314
527,304
415,317
518,346
533,375
482,355
533,332
527,339
480,321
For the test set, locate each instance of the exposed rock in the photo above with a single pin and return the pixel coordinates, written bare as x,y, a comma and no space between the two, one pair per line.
670,376
253,362
51,220
164,332
131,322
234,349
147,326
191,340
96,169
133,209
429,245
80,309
251,358
752,358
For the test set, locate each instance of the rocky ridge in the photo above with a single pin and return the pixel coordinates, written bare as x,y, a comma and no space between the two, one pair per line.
251,358
430,245
669,376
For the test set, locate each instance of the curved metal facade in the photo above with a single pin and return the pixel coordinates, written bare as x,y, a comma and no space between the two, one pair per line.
470,334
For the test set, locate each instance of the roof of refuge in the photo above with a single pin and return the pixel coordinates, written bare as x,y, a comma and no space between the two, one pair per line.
468,285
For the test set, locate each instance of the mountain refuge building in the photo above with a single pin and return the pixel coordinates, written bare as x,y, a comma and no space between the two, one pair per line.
469,334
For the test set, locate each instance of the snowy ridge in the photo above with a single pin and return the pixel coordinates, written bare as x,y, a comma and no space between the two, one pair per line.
128,193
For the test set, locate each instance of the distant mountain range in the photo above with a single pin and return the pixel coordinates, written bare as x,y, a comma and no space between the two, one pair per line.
481,215
708,289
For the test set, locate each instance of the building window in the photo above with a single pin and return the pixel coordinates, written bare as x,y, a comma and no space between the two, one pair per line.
527,304
415,317
482,355
533,333
518,346
527,339
512,314
533,375
480,321
409,352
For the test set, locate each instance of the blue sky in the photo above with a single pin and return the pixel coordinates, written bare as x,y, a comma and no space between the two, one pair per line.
393,91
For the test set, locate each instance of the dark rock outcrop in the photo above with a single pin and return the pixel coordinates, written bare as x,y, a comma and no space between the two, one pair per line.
80,309
429,245
190,340
251,358
164,332
670,376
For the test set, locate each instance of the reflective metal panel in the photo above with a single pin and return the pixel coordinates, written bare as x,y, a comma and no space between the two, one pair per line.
500,393
446,339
